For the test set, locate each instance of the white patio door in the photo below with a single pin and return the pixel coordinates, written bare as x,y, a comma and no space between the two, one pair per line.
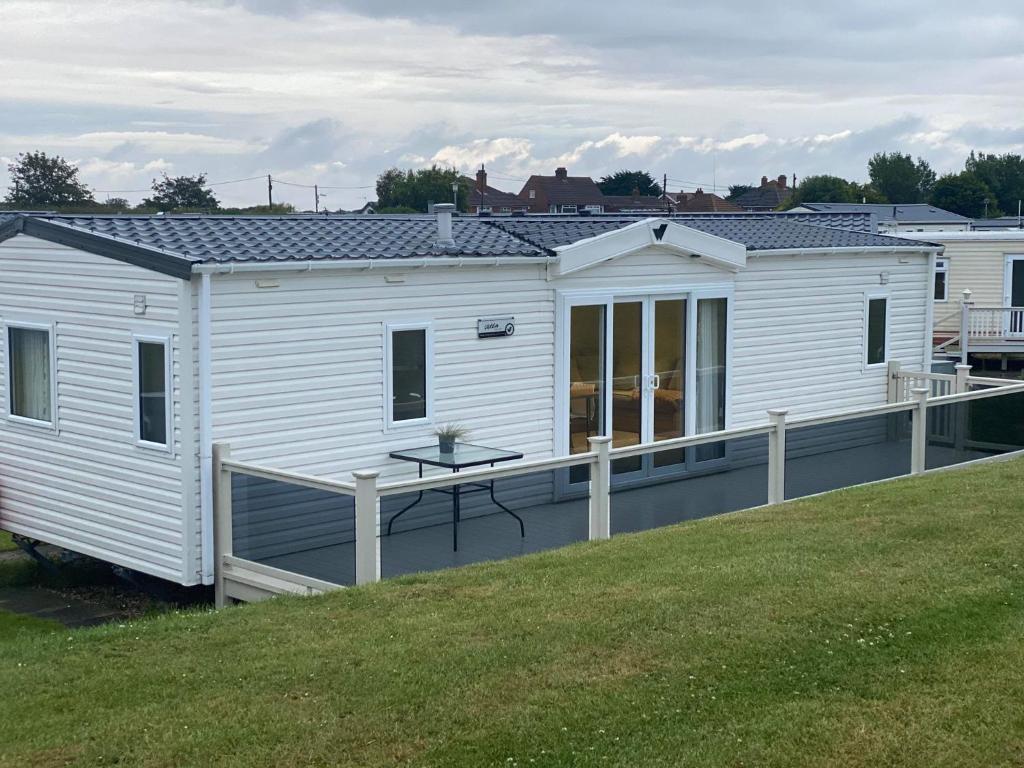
648,381
1013,296
634,373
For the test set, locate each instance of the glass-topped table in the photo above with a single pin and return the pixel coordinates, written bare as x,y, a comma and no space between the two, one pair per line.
463,456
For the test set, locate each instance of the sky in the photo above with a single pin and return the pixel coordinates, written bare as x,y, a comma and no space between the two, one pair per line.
334,92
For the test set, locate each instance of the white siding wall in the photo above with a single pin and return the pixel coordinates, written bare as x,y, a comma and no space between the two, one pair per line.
977,264
800,327
298,369
88,486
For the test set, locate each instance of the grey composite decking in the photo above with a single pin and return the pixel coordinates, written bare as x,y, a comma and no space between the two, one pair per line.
496,536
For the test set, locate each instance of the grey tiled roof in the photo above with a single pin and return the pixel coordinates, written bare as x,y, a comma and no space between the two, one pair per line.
769,196
300,238
915,212
755,232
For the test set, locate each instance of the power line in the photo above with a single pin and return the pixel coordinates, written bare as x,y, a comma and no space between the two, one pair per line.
150,189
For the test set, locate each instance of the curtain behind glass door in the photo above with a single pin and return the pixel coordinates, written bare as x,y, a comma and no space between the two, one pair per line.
711,339
670,371
586,380
627,381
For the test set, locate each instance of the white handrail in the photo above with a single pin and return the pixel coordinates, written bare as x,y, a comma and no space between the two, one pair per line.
628,451
284,476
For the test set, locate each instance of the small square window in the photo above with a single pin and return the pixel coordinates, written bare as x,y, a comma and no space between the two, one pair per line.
153,406
408,374
877,331
30,380
941,289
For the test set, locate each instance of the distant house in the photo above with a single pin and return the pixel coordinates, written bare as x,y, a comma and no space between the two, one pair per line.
910,217
701,202
562,193
637,203
486,199
1001,223
767,197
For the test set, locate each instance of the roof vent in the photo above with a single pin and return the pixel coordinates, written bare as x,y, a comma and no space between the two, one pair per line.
444,223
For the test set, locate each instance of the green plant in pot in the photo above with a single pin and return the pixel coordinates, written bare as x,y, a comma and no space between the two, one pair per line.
448,435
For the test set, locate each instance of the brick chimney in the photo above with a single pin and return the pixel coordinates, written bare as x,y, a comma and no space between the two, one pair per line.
561,173
782,181
764,181
481,180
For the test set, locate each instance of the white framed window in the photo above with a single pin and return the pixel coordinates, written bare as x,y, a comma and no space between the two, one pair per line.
408,374
876,329
151,371
568,209
594,208
31,364
941,289
533,194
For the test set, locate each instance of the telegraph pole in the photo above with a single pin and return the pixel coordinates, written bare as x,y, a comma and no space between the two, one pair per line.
316,198
664,192
270,193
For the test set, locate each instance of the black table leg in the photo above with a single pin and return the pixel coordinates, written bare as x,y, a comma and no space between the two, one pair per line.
407,507
522,528
455,517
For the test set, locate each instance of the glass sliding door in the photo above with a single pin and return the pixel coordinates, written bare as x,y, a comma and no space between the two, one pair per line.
587,331
646,369
669,380
628,390
712,317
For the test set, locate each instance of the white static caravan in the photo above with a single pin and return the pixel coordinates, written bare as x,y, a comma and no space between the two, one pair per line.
320,345
990,266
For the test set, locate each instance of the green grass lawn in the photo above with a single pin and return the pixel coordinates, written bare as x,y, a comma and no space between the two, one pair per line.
877,626
6,544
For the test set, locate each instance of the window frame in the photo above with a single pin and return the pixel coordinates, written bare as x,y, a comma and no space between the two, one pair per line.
390,424
569,208
868,298
30,325
941,267
165,341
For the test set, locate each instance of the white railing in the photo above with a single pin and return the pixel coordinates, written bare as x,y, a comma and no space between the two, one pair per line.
995,322
902,383
243,579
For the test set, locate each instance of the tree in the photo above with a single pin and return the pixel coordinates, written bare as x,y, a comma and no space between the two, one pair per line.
397,189
41,181
964,193
626,182
737,190
823,189
1003,175
899,179
181,193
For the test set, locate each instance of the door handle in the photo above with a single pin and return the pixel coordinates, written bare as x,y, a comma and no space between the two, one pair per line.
655,381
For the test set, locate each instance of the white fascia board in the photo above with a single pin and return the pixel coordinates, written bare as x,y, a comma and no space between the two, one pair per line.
920,249
978,235
232,267
676,238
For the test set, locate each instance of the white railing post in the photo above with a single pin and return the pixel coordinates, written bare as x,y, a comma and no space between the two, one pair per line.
962,373
600,523
777,456
222,531
919,431
894,395
367,540
965,324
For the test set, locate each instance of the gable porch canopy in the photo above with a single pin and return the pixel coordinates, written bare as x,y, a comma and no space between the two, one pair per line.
663,234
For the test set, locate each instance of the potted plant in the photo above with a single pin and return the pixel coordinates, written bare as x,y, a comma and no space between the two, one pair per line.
448,434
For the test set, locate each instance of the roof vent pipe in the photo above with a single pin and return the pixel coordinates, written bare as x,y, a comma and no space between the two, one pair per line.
444,223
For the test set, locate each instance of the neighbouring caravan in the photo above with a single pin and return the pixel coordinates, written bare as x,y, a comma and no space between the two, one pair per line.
321,344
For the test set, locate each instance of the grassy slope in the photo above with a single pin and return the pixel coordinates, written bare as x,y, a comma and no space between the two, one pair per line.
877,626
5,542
